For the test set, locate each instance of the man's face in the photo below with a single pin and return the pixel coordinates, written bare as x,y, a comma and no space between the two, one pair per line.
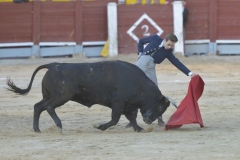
168,44
184,3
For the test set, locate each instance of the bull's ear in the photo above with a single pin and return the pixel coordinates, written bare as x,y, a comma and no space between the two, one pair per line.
166,100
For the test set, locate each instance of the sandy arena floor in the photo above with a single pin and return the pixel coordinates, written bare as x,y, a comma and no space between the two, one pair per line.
219,106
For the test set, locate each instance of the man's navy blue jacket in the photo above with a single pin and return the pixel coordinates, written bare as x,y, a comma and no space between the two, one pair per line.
159,53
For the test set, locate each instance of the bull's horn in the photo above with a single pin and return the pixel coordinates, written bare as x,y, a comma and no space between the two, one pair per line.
171,100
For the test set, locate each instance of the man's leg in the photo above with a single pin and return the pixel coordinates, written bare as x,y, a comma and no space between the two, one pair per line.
147,65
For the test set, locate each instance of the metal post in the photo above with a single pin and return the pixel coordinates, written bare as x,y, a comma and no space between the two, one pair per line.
112,29
178,26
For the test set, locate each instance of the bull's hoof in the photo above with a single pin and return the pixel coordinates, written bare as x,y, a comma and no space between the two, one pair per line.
150,129
161,122
36,130
54,129
100,126
59,129
96,125
129,125
138,129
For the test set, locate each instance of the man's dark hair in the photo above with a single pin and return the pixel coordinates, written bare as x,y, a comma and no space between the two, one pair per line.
171,37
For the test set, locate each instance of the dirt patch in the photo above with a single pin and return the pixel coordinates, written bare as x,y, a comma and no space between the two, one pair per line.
219,106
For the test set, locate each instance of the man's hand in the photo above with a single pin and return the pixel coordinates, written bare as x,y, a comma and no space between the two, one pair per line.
194,74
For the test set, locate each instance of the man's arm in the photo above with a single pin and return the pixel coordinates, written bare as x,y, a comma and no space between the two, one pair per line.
143,41
179,65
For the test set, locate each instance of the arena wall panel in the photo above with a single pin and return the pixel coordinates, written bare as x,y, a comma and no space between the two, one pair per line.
15,22
77,21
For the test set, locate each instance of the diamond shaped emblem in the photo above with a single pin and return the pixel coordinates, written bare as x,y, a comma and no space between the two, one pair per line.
134,26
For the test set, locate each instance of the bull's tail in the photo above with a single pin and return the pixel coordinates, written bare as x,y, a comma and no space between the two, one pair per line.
12,87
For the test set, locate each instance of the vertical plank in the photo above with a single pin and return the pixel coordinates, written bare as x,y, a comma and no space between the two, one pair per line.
95,20
78,22
213,20
15,22
57,22
36,22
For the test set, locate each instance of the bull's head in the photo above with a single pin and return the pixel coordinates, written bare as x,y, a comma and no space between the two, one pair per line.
151,114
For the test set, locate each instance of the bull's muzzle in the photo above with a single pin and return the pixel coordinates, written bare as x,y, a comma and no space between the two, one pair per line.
147,120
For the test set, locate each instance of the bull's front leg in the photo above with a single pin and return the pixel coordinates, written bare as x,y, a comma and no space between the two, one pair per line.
116,114
131,116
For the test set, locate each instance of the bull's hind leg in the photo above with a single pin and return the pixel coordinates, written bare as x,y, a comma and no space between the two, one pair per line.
38,109
50,107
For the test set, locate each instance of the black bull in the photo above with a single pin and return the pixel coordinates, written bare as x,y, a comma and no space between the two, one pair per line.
119,85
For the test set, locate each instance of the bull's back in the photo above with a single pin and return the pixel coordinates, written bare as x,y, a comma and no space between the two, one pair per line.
97,82
111,73
106,72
